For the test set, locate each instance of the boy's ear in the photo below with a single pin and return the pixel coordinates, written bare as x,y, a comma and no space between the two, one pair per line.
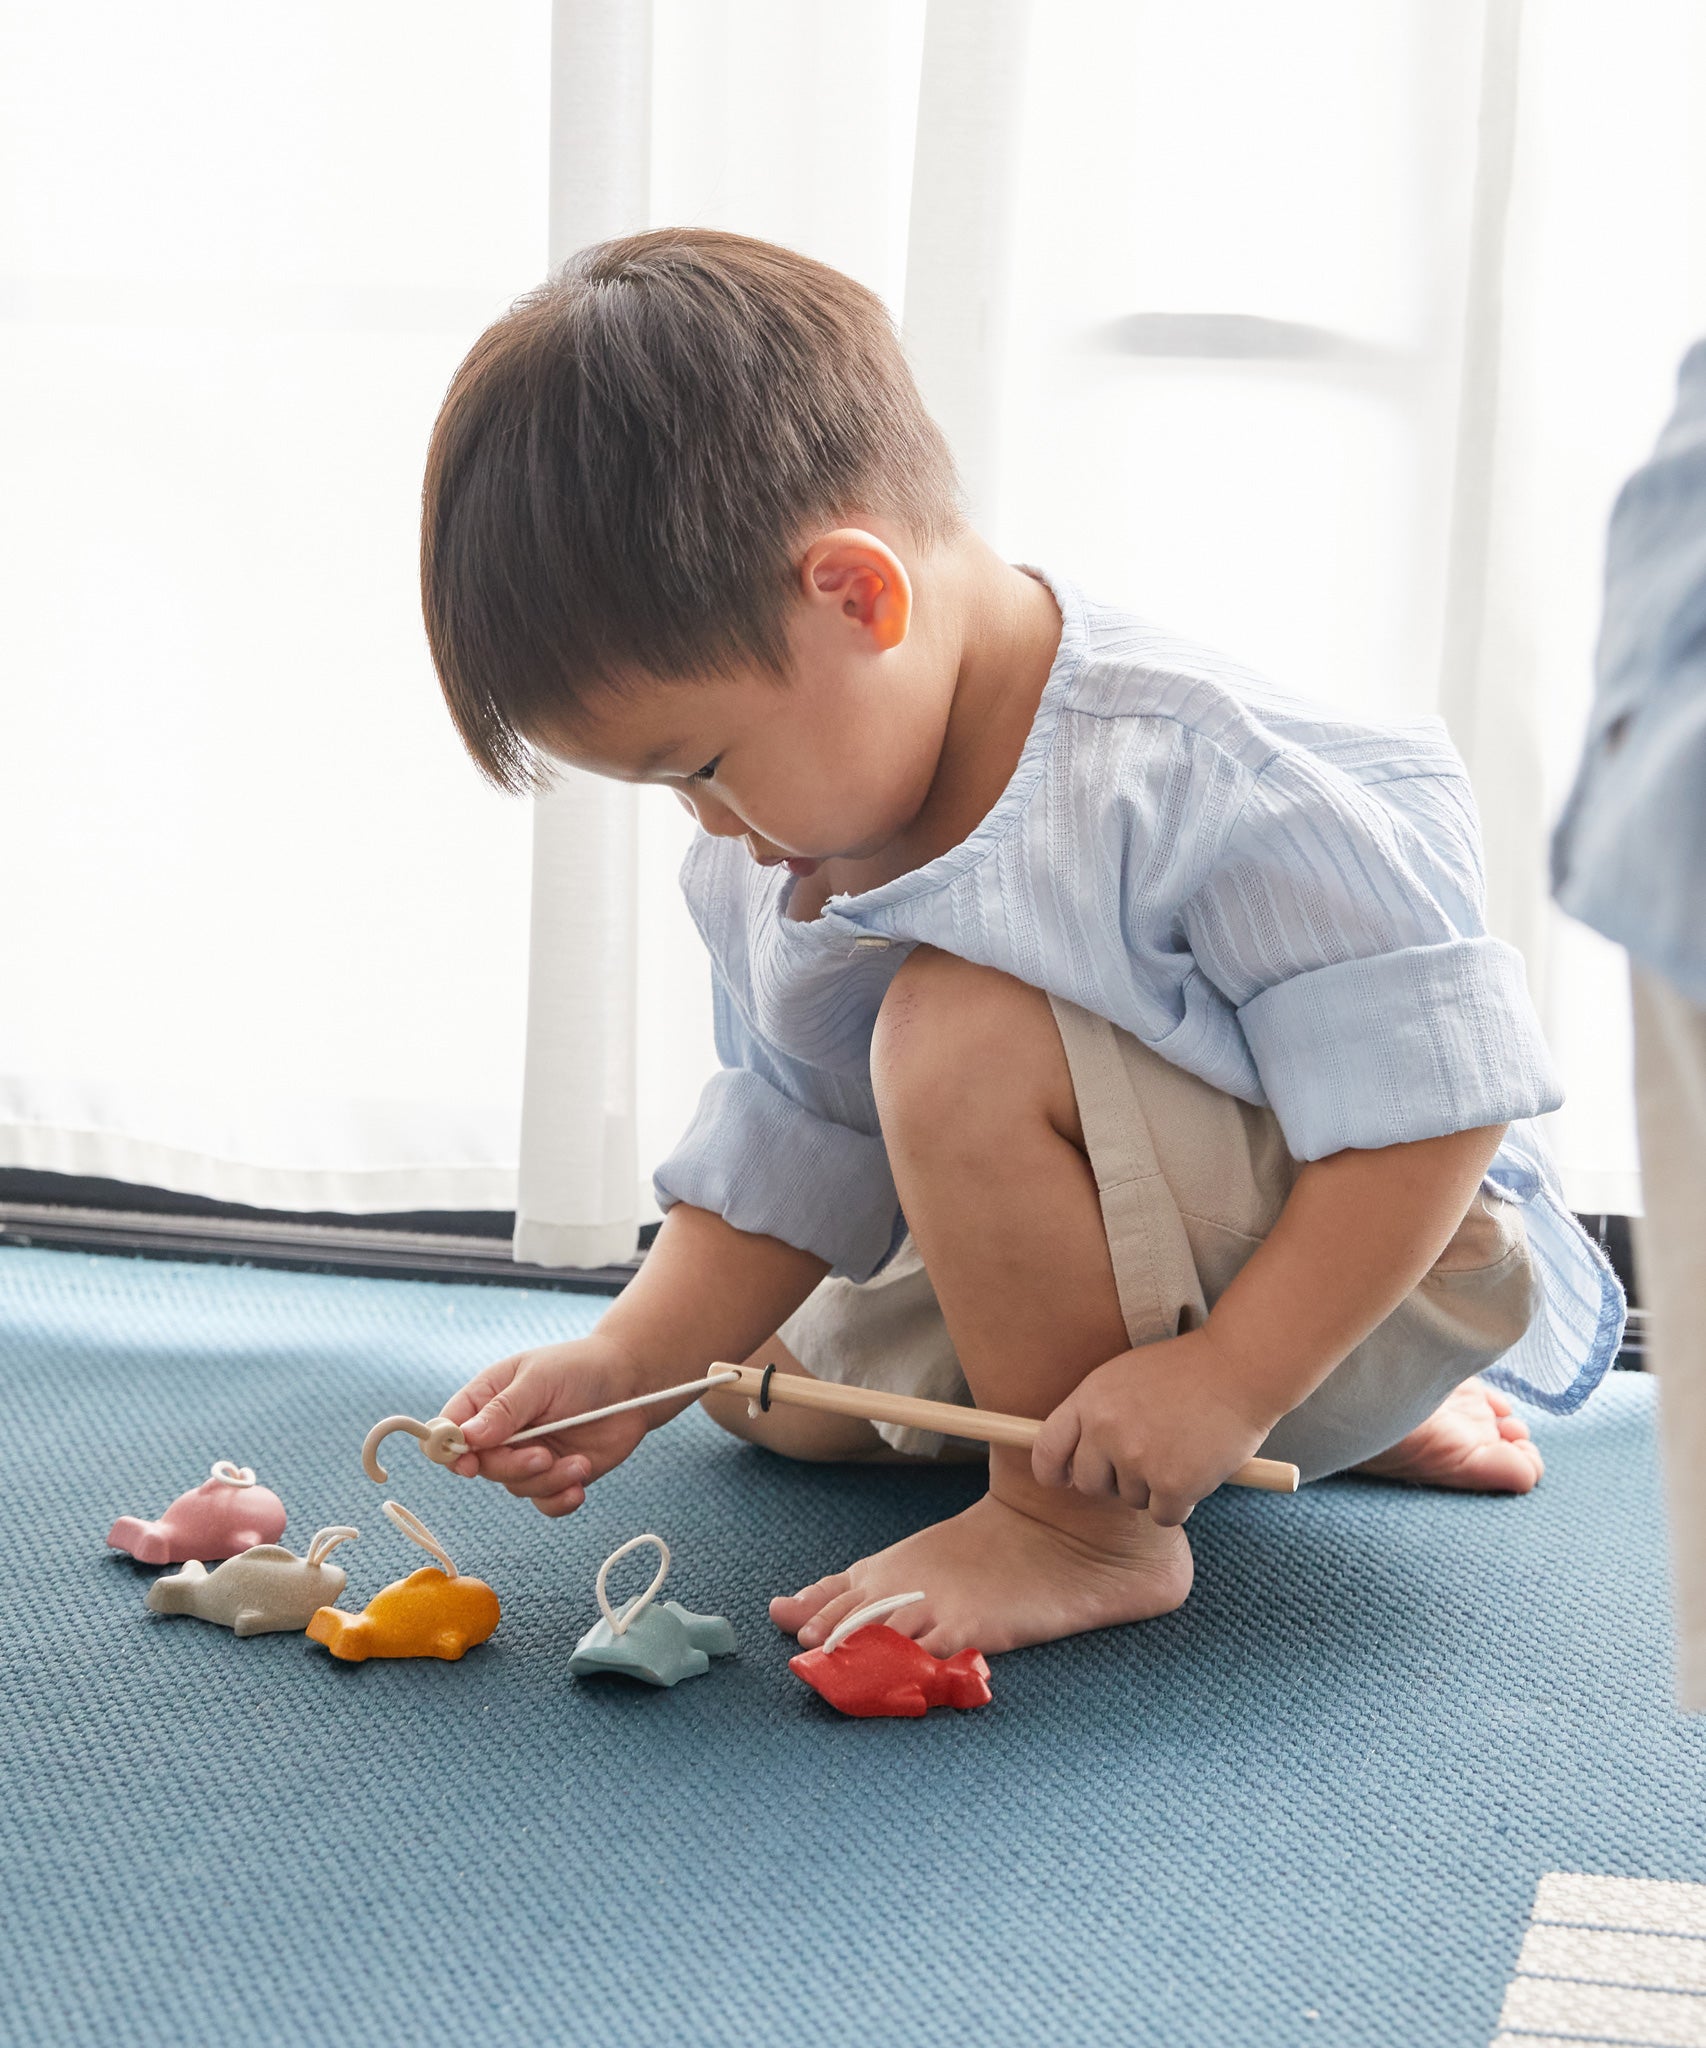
864,580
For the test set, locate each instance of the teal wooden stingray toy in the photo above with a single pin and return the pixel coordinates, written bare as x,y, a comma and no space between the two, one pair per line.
660,1645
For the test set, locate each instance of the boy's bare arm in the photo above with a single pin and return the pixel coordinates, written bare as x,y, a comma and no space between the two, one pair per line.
1359,1231
1164,1424
704,1291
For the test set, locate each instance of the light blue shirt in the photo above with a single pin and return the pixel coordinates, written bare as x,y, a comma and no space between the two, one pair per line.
1629,855
1284,902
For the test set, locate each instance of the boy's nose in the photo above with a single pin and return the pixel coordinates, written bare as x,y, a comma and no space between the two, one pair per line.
713,817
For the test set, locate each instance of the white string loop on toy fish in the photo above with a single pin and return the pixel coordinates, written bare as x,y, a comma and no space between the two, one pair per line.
861,1615
417,1532
444,1443
232,1475
620,1623
325,1541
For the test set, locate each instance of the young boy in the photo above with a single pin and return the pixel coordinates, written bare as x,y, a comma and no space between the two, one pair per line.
1106,1037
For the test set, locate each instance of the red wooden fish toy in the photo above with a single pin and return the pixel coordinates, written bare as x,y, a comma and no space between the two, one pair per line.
869,1670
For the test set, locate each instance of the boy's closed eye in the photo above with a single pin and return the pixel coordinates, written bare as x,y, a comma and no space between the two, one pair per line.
705,774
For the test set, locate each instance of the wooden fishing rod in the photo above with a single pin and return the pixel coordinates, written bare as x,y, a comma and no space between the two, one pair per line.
442,1441
766,1386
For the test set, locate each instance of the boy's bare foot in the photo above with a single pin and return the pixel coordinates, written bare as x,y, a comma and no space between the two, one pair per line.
1025,1564
1473,1441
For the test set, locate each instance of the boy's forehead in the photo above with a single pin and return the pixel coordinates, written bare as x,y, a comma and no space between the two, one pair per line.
649,728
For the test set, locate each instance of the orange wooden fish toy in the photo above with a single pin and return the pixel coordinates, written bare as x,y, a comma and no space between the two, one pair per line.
871,1671
431,1613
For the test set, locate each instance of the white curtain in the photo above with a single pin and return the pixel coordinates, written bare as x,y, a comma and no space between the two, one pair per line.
1324,333
578,1191
263,934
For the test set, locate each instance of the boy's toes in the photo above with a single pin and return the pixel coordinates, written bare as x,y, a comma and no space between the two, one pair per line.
818,1628
791,1611
1507,1466
1473,1442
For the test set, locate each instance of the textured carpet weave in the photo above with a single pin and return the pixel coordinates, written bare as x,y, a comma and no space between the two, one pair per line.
1311,1808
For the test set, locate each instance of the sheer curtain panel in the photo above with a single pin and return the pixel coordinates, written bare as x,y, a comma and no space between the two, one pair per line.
264,932
578,1198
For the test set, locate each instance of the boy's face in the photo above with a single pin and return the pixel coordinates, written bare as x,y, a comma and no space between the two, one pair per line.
833,763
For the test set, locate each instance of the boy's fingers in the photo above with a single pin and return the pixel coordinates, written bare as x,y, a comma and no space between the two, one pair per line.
518,1461
1126,1482
500,1418
1052,1451
1093,1473
563,1503
556,1476
469,1400
532,1461
1169,1510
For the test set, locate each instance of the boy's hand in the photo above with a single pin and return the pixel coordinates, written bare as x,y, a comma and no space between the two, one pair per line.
704,1291
538,1386
1160,1427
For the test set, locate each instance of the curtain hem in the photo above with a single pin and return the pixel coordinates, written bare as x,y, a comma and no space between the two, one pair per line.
575,1244
145,1162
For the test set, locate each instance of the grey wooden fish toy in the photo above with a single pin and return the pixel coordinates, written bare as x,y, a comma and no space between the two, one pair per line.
259,1592
659,1645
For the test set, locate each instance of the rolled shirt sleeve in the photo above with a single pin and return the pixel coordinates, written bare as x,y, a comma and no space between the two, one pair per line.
1344,925
767,1159
1400,1046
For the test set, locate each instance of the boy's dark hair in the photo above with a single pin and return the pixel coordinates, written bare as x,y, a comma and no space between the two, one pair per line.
625,463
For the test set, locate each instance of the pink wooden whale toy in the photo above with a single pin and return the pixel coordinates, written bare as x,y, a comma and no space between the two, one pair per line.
226,1514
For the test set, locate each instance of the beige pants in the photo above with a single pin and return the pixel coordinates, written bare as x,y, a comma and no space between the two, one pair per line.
1190,1182
1670,1107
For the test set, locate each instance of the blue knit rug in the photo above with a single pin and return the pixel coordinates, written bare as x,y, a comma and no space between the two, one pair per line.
1310,1808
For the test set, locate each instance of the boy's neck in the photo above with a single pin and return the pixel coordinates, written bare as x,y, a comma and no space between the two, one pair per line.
1001,629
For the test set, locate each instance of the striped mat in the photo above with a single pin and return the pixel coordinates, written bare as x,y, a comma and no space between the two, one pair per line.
1610,1960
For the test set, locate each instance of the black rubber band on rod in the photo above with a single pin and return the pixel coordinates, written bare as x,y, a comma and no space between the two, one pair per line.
764,1390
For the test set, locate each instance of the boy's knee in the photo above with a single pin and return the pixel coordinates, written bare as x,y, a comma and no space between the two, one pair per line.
957,1046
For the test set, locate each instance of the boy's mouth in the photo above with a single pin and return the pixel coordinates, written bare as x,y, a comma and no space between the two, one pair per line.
796,864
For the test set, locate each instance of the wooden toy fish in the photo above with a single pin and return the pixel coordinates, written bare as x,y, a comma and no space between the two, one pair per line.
259,1593
870,1670
429,1614
223,1516
661,1645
